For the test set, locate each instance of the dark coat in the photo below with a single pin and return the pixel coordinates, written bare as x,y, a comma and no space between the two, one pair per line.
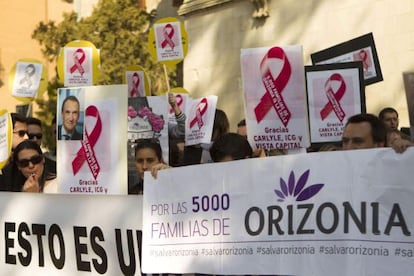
75,136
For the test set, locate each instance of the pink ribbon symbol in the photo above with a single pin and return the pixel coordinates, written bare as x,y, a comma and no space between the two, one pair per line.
334,98
179,99
199,113
274,87
363,56
86,152
135,85
168,32
78,61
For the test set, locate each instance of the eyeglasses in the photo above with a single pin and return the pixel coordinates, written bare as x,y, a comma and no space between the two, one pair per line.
38,136
21,133
23,163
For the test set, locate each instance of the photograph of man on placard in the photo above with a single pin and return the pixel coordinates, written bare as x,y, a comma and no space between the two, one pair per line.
71,123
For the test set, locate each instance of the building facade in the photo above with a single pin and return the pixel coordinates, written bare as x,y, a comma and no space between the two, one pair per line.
219,29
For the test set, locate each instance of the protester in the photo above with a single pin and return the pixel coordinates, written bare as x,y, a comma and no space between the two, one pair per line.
32,173
148,157
176,133
389,117
19,129
221,126
176,130
364,131
241,128
34,130
230,146
70,117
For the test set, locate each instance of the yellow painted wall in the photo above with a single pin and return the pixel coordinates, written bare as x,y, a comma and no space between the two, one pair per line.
18,19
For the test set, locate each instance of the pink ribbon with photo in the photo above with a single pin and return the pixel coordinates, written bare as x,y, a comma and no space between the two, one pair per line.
363,56
87,152
168,32
135,85
201,109
274,87
78,61
334,97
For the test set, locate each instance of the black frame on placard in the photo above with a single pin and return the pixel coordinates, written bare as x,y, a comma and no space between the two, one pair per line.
327,69
349,47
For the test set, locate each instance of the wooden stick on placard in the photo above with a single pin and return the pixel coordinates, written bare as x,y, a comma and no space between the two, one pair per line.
167,78
29,110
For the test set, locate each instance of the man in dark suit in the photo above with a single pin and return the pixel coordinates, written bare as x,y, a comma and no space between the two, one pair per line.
70,117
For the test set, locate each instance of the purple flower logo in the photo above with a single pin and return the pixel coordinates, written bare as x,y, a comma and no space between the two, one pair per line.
297,189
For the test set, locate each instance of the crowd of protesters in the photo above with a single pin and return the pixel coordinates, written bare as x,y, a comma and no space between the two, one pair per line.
29,169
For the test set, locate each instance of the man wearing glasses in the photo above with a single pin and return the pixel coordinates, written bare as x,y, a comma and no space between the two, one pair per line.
19,129
34,130
23,129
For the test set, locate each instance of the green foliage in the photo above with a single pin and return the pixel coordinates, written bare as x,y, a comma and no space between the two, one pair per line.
119,29
47,110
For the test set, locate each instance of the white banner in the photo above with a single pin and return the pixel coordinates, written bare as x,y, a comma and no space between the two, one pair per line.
70,235
329,213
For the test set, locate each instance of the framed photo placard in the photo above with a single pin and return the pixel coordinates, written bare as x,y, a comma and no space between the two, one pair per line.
358,49
335,92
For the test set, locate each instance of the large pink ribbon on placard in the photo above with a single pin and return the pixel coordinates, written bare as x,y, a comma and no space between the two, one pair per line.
87,152
334,97
179,99
274,87
200,111
135,85
78,61
168,32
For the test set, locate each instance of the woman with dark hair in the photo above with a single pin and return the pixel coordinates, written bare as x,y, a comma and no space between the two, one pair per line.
32,174
230,146
148,157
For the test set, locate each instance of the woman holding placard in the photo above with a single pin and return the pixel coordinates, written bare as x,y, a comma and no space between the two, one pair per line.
148,157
